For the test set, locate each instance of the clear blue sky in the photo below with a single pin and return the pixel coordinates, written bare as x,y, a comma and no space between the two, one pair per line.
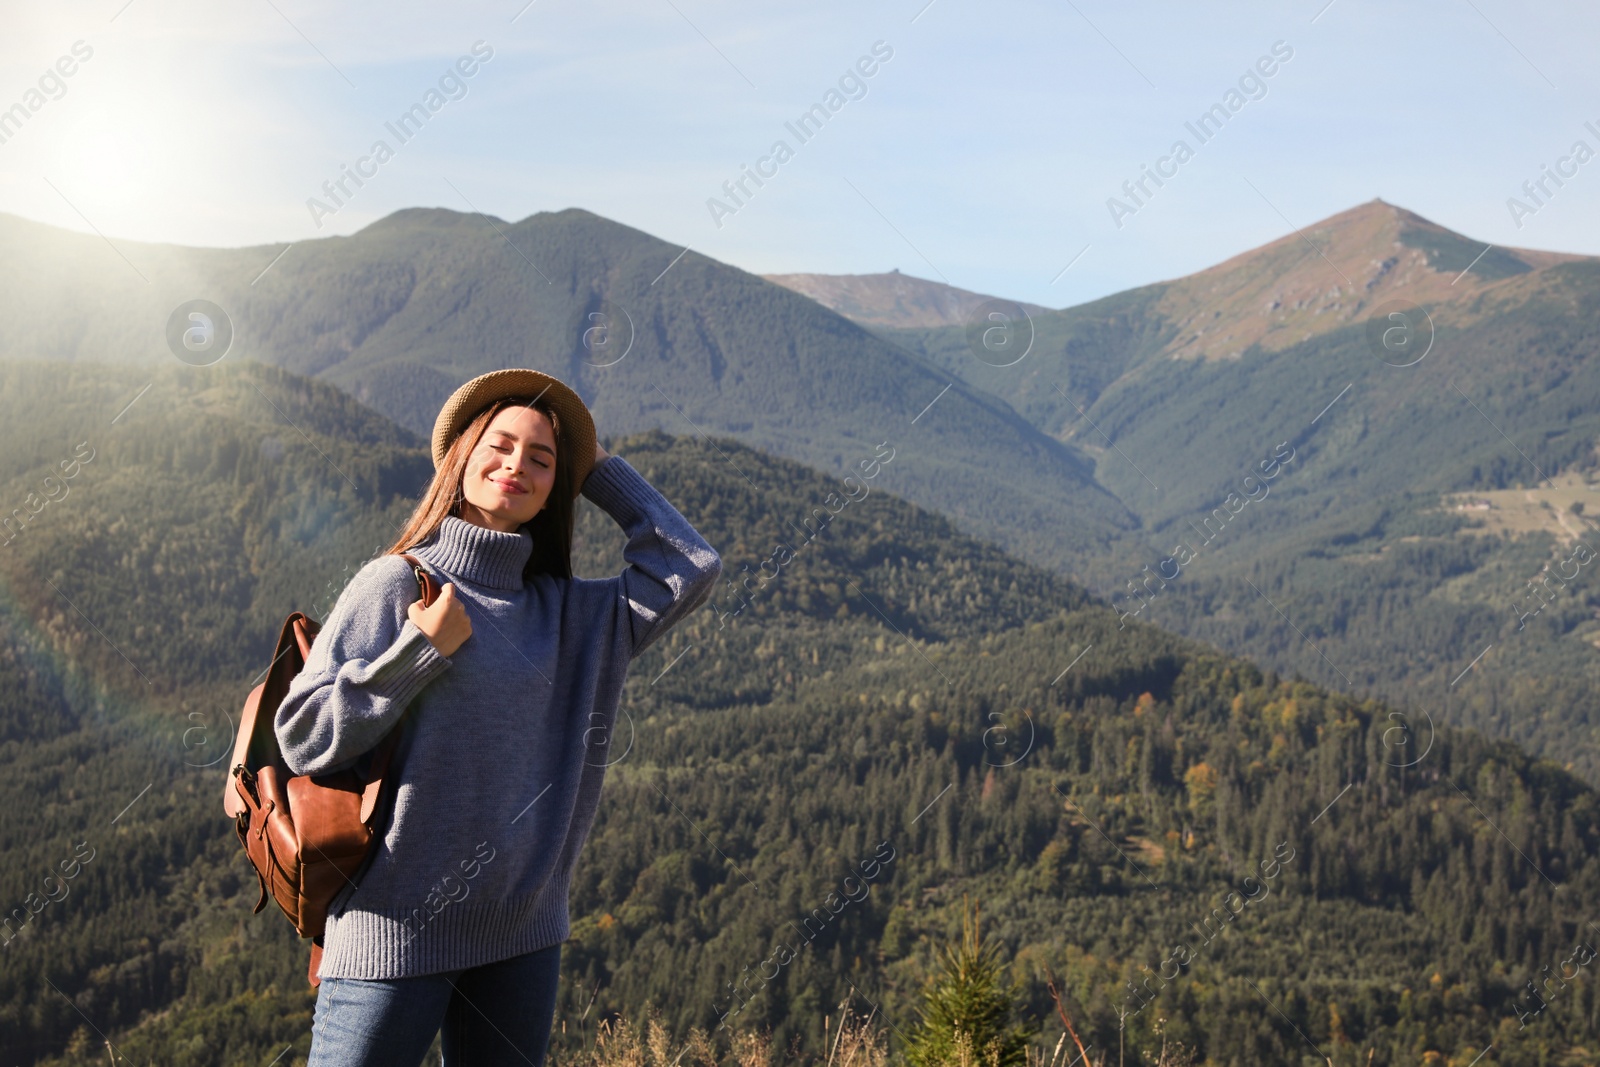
982,152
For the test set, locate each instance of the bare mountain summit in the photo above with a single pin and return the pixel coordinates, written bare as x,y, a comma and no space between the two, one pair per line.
892,299
1332,273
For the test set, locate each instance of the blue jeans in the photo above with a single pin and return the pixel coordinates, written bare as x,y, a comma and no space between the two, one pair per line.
497,1015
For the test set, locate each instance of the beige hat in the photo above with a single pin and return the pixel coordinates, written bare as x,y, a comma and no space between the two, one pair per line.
577,424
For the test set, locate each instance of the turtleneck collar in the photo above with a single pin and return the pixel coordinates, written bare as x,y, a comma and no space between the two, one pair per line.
479,555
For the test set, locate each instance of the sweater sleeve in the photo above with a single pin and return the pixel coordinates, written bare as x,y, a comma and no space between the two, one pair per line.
671,569
367,663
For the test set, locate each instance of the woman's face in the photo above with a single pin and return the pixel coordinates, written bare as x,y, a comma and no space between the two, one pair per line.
510,473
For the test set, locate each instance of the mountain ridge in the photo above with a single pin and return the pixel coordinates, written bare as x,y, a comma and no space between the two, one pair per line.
892,299
1371,252
404,311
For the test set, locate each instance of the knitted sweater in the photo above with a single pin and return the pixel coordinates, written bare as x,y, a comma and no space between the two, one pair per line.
504,744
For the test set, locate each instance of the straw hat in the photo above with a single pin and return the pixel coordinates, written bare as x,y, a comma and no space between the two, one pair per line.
577,425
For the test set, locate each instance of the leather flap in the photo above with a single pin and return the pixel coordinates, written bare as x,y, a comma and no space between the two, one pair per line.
255,745
323,812
369,799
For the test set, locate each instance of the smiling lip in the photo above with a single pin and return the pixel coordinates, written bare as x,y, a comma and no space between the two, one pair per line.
510,487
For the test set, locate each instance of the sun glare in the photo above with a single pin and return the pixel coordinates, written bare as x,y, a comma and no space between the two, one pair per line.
120,157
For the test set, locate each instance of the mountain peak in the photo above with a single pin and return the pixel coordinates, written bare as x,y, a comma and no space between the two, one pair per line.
891,299
1325,275
412,219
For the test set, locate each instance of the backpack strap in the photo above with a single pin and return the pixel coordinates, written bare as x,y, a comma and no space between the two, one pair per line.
428,588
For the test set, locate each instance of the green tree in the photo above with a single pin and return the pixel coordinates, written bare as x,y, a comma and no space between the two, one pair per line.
967,1008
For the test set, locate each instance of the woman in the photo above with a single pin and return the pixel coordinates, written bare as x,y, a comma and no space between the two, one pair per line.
505,690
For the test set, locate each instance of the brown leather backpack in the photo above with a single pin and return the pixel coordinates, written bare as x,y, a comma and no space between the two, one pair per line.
308,836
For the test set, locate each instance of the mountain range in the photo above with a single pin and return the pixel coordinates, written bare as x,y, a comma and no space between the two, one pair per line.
1366,569
1394,556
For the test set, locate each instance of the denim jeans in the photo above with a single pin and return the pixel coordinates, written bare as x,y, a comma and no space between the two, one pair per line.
497,1015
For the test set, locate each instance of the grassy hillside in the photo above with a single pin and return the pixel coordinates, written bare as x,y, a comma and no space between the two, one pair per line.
979,725
403,312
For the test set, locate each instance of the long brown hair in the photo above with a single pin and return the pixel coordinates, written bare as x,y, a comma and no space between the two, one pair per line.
551,527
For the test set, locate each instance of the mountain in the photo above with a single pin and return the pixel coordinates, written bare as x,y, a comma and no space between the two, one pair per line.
1361,568
404,311
1284,294
1328,277
1126,425
892,299
896,692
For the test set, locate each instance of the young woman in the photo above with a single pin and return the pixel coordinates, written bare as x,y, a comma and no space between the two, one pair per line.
505,691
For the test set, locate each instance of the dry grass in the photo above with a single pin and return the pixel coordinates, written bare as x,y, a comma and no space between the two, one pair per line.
620,1043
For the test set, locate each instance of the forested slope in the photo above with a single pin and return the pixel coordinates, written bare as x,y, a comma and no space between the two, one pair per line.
894,692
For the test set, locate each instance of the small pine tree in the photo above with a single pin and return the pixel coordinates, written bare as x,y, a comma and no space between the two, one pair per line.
966,1009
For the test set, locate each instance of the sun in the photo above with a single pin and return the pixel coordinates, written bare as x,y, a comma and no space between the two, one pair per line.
108,154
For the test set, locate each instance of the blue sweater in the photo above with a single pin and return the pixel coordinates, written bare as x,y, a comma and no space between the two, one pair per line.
503,751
